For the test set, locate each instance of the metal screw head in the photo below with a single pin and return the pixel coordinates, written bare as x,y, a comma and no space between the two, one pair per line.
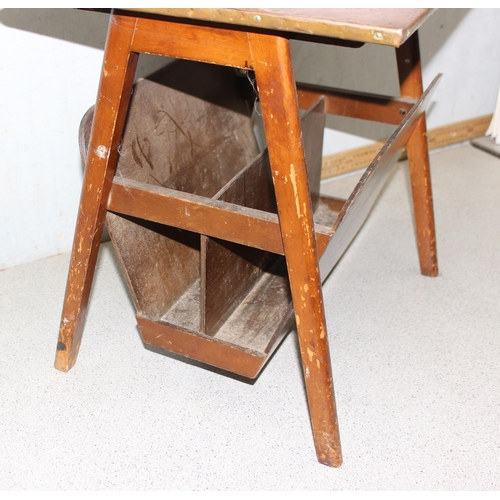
377,35
257,18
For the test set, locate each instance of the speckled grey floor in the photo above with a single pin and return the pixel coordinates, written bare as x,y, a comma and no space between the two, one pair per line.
415,360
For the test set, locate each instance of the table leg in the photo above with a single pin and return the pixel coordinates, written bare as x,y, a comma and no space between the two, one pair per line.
410,78
110,112
278,99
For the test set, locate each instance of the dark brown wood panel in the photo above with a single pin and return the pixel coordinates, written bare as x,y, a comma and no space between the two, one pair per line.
159,262
188,129
231,270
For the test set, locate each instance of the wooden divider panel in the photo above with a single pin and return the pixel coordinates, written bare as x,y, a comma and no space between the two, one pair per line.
246,296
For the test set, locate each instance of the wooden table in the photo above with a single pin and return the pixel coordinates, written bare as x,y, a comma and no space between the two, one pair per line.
258,40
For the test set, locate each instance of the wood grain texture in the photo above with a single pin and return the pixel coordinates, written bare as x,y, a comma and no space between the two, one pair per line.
219,354
197,43
233,270
279,103
381,26
185,137
244,295
163,265
111,108
410,78
188,129
197,145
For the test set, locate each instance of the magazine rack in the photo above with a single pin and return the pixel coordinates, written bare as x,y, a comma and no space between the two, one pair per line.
222,245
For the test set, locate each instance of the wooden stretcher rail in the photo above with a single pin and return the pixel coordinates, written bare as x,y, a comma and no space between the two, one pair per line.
202,215
359,105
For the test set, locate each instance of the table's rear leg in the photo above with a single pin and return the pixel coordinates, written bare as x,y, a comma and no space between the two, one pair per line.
278,99
410,79
110,112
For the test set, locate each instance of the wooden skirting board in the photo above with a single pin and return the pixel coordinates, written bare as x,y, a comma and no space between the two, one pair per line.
359,158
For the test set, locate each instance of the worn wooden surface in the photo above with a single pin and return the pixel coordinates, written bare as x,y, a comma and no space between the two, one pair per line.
175,139
278,99
232,270
267,54
242,298
178,130
113,97
197,43
197,346
410,78
232,292
380,26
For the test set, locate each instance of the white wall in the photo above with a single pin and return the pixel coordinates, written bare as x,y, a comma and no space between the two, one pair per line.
50,67
46,85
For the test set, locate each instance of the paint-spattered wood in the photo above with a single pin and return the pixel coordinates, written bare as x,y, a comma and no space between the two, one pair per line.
279,104
215,301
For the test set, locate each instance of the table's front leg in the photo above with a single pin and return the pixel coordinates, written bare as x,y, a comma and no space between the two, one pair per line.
278,98
114,93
